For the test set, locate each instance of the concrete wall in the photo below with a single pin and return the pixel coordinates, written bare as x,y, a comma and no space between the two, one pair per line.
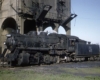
6,12
68,11
53,12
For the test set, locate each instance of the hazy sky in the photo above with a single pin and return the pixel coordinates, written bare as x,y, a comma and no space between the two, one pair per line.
87,24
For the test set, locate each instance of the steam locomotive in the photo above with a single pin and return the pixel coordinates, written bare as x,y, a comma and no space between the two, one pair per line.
44,48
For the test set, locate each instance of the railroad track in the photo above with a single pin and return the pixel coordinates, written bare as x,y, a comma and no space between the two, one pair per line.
68,64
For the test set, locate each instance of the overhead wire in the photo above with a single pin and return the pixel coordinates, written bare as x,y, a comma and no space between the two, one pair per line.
75,18
87,18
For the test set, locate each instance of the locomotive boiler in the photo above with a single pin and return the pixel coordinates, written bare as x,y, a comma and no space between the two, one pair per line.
34,48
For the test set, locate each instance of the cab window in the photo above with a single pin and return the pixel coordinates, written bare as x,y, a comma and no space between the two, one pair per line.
72,42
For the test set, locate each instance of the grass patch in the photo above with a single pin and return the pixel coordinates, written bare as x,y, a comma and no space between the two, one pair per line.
91,70
83,70
31,75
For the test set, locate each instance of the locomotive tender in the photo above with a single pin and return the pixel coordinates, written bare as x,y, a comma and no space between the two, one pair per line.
34,48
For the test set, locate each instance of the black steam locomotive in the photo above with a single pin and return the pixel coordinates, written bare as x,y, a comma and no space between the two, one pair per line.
44,48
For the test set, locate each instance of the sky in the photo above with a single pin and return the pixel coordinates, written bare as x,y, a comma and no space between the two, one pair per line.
87,24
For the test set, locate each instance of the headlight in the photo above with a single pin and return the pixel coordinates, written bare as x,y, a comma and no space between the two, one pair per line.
8,35
4,43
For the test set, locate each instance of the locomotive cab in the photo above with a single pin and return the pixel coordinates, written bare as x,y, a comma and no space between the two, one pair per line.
72,40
